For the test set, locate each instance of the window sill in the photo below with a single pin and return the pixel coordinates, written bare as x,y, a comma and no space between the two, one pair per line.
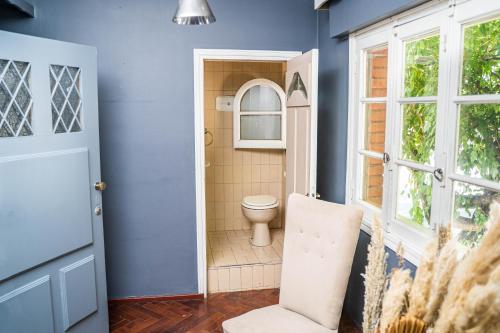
412,250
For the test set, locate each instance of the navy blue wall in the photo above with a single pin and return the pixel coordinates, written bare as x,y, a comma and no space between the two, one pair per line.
349,15
332,140
146,117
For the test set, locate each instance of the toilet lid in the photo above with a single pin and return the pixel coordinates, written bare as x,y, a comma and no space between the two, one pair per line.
260,201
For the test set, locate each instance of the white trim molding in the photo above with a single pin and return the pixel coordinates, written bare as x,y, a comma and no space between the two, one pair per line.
199,56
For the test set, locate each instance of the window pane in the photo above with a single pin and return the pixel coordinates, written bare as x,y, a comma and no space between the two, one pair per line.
418,133
260,98
481,60
66,98
479,141
373,180
471,206
15,98
376,72
265,127
414,197
375,127
421,67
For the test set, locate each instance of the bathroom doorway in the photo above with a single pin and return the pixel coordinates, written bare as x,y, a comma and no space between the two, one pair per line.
227,176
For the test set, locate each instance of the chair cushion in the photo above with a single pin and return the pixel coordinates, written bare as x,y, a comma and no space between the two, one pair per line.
272,319
320,241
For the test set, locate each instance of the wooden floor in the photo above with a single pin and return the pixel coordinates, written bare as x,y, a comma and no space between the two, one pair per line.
194,315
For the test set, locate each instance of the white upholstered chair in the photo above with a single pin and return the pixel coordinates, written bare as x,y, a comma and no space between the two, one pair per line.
320,240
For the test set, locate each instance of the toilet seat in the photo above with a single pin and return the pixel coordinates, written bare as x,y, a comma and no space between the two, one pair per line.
259,202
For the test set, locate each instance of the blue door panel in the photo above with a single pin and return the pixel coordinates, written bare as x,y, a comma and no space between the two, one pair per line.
78,291
27,309
45,208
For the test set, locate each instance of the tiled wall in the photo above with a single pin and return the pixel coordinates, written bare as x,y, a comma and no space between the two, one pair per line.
233,174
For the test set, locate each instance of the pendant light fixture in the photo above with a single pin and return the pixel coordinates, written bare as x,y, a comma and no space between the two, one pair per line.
193,12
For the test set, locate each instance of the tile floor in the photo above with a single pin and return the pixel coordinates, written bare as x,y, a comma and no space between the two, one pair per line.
234,264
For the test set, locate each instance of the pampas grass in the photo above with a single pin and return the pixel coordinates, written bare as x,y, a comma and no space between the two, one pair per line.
375,278
482,307
444,269
471,276
395,298
421,289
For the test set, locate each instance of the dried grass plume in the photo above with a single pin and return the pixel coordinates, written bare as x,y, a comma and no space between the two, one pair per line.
471,287
444,269
375,278
395,298
421,289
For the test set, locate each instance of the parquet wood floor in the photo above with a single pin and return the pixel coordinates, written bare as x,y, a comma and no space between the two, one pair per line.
190,316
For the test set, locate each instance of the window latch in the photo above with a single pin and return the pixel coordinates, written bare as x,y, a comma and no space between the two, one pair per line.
386,158
438,174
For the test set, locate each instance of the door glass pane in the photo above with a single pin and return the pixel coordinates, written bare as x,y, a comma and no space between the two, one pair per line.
256,127
481,60
471,207
260,98
421,67
375,127
376,72
414,197
16,102
373,181
479,141
418,133
66,98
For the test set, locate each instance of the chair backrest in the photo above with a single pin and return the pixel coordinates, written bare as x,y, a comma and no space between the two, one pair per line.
319,246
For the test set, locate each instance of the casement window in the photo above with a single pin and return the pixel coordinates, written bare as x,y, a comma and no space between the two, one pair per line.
424,122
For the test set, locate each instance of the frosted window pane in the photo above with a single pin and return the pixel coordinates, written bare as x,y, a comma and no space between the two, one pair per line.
66,99
15,98
265,127
260,98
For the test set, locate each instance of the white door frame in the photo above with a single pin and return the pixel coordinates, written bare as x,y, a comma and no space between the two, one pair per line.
200,55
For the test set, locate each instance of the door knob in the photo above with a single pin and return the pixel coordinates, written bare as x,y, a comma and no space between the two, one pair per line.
100,186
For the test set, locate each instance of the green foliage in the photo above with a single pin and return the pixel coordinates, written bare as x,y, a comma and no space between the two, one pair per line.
419,121
479,124
422,67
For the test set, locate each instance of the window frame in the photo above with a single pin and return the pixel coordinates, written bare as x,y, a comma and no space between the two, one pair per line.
449,18
262,144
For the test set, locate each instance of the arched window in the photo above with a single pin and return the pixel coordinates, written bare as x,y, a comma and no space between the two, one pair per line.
260,115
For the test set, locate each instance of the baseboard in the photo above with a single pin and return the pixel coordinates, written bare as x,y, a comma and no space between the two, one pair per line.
157,298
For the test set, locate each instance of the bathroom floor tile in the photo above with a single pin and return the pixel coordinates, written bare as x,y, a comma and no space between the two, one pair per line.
233,247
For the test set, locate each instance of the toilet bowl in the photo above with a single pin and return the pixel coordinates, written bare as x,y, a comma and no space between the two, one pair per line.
260,210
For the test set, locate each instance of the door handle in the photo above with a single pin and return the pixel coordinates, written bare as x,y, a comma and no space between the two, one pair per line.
100,186
438,174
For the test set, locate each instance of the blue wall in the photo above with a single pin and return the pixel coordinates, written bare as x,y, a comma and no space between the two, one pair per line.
332,134
146,114
350,15
146,117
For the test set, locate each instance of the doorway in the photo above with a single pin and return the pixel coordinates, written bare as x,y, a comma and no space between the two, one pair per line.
217,76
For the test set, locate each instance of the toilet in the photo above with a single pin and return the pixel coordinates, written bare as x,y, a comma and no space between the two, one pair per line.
260,210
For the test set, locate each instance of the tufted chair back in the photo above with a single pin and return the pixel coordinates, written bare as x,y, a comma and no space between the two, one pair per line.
320,240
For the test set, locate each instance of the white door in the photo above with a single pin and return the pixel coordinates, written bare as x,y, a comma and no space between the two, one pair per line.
52,272
302,123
